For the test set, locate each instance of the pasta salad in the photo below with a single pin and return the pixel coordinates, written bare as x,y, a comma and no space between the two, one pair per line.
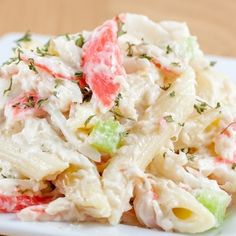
128,123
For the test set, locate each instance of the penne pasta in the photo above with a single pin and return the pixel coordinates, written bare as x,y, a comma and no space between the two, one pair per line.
37,166
84,188
144,147
128,123
175,208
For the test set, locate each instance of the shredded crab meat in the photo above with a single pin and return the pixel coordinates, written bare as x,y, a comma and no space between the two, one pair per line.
126,123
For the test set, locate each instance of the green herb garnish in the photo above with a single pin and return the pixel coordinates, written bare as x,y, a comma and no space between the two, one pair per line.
117,114
57,82
16,59
217,105
79,74
169,118
200,108
41,101
30,103
44,50
181,124
191,157
25,38
80,41
120,30
117,100
168,49
31,65
177,64
8,89
88,120
172,94
145,56
213,63
67,37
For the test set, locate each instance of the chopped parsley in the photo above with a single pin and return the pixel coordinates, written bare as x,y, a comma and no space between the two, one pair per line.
120,25
190,157
11,60
201,107
57,82
117,100
130,51
4,176
217,105
25,38
172,94
31,65
117,114
174,138
79,74
181,124
44,50
169,118
168,49
165,87
145,56
213,63
176,64
41,101
80,41
30,103
16,59
67,37
16,104
88,120
8,89
55,94
40,52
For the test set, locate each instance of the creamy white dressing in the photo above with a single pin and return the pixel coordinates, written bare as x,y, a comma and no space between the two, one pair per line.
56,124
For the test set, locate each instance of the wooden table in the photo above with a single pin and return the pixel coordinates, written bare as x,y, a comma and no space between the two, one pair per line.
213,21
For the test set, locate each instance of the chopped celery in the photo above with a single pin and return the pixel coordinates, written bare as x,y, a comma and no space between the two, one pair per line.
106,136
215,201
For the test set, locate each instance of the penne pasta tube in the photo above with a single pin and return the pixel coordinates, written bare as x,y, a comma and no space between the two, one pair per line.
173,208
83,187
38,166
141,147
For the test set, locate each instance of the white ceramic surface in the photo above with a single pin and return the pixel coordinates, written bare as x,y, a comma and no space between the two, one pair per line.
9,225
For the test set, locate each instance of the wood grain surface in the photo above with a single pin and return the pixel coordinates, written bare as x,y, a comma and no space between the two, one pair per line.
212,21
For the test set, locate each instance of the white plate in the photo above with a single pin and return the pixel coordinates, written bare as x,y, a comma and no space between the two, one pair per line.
9,225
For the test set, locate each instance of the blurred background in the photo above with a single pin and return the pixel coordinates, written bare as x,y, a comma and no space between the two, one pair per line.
212,21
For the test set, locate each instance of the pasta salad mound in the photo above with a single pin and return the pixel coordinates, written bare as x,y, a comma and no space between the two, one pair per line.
128,123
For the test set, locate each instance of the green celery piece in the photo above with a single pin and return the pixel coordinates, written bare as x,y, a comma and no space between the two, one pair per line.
106,136
215,201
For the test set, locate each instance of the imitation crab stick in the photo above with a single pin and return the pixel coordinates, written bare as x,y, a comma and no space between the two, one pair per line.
102,63
12,204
